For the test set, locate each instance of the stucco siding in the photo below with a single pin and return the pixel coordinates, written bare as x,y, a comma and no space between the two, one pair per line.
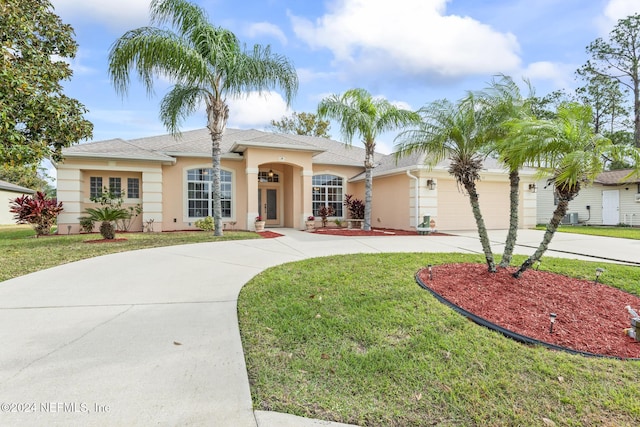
391,203
6,197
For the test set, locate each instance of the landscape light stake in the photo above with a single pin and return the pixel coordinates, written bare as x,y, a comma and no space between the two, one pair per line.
538,265
430,272
599,271
552,319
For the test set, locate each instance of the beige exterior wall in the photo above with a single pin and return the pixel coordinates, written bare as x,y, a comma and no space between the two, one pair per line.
73,189
392,203
6,217
400,201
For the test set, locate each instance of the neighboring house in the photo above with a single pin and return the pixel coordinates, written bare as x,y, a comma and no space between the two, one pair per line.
8,193
610,200
283,178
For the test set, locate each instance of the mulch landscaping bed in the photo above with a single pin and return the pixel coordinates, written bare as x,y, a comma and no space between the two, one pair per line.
269,234
373,232
105,240
591,317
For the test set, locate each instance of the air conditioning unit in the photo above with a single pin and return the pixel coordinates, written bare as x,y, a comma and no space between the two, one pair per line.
638,198
570,218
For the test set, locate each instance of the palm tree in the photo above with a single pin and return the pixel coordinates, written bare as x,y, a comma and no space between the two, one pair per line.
457,132
206,63
359,113
568,151
504,103
107,216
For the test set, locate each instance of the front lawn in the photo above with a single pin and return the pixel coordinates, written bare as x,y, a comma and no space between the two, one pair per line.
622,232
21,252
353,338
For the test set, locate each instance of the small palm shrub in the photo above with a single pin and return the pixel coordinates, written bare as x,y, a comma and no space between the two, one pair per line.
107,217
38,210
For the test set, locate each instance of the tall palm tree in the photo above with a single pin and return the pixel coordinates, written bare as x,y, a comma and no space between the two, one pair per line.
567,150
504,103
361,114
206,63
457,132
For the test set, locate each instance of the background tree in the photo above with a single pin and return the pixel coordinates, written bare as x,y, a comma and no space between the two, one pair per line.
461,132
567,150
619,59
28,176
36,119
302,124
608,104
361,114
206,63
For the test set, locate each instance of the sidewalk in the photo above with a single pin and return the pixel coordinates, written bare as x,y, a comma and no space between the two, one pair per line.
151,336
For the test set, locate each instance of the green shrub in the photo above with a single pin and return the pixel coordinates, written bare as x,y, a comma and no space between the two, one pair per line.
86,224
206,224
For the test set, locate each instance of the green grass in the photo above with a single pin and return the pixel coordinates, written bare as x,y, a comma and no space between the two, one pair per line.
621,232
354,339
22,253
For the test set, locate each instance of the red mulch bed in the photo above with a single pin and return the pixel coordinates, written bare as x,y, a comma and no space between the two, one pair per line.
373,232
105,240
591,316
269,234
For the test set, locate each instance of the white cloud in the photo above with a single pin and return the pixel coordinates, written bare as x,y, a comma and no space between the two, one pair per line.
117,15
259,29
255,110
616,10
411,37
559,75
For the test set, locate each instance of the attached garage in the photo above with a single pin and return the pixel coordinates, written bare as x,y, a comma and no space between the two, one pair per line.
454,209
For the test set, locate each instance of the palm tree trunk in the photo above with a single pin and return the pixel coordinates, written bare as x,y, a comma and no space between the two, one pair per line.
482,229
554,223
368,186
514,195
217,114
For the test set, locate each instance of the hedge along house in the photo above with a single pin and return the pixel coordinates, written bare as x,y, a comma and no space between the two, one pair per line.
282,178
610,200
8,193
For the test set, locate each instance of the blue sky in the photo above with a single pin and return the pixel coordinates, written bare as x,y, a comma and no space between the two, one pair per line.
409,51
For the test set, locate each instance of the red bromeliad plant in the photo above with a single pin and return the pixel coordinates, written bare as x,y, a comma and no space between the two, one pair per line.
37,210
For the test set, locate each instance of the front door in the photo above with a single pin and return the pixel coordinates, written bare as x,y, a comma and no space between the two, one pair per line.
610,207
268,205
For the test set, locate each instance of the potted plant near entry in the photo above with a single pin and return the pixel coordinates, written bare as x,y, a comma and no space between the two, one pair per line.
259,224
310,223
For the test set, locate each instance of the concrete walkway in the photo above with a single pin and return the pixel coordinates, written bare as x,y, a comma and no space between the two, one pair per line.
151,336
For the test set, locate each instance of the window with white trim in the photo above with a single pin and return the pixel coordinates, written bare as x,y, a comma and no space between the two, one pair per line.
200,193
95,186
115,186
133,188
328,190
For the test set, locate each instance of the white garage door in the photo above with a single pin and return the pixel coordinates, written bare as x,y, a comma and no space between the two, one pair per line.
454,209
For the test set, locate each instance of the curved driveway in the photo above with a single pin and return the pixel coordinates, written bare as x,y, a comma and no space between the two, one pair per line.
151,336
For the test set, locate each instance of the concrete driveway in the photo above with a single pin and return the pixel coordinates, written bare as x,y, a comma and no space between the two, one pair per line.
151,336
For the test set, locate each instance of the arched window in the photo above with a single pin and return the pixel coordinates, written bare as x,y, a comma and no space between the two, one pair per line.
328,191
200,194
